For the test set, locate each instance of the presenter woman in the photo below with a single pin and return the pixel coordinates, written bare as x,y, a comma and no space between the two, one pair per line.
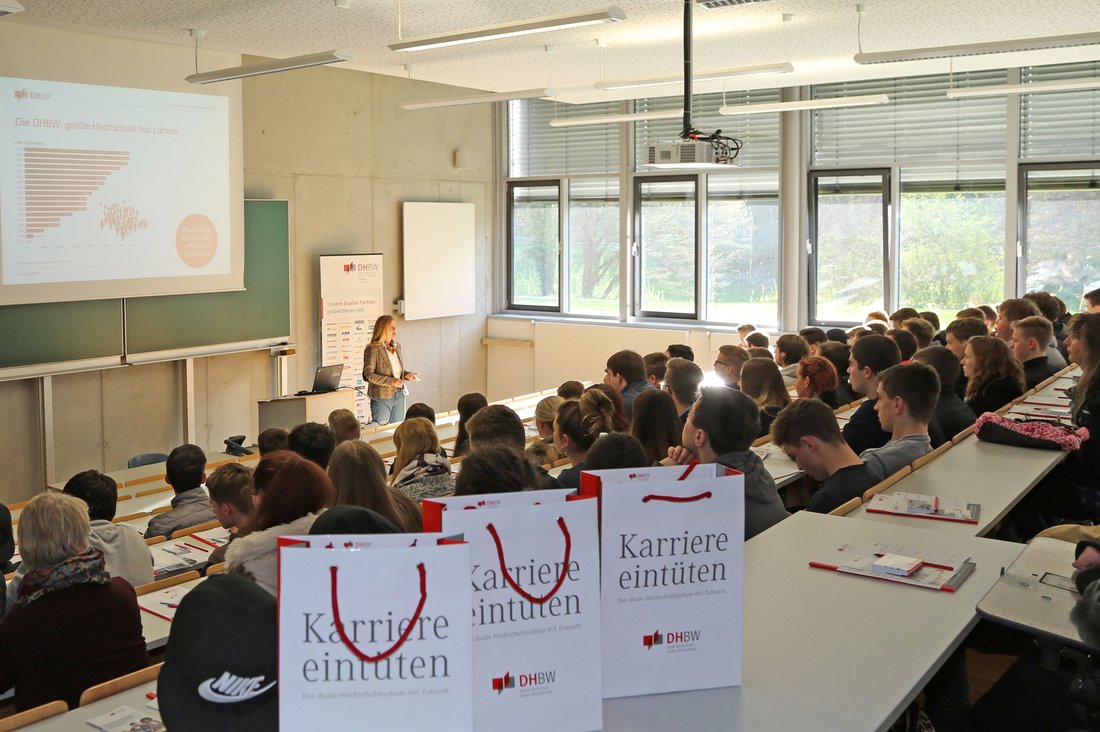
385,374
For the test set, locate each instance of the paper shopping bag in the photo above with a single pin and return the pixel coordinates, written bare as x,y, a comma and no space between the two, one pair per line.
432,508
672,590
375,633
536,612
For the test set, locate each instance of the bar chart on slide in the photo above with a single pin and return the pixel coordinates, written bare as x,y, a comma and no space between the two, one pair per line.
57,183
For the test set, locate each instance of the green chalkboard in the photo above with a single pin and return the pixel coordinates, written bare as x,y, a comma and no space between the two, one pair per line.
59,331
261,311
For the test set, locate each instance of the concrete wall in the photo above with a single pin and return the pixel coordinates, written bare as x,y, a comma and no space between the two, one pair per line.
336,144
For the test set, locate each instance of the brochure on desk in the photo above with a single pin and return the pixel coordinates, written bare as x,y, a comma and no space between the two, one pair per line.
918,505
128,719
937,570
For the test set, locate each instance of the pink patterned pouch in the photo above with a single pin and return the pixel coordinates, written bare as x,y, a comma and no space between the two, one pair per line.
1039,434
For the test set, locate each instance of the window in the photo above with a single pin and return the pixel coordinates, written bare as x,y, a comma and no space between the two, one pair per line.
534,233
594,247
743,249
1061,216
848,234
1062,124
535,149
666,233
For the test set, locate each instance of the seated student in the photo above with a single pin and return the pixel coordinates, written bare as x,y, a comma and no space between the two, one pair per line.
271,440
125,552
817,379
901,315
1092,301
907,342
625,373
1083,345
682,380
419,471
420,409
469,405
727,366
499,426
344,425
989,315
951,411
906,402
743,331
789,350
619,420
876,316
576,427
230,488
721,426
807,431
617,451
656,424
958,333
290,492
921,329
1030,338
1018,308
758,352
570,390
837,335
7,539
359,477
352,520
871,355
756,339
655,368
191,505
679,350
542,450
994,376
934,320
495,470
762,382
838,355
72,625
814,337
854,334
312,441
877,328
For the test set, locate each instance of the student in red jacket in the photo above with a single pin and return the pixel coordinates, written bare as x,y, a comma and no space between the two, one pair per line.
72,625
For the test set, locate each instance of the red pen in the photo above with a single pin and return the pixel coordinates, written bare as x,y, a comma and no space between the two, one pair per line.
196,548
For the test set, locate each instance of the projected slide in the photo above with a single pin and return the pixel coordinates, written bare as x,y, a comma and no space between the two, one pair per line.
108,186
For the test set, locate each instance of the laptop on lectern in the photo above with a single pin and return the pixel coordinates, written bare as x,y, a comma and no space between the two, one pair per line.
327,378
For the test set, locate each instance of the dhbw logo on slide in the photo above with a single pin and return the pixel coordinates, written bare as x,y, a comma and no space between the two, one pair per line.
672,641
536,680
352,267
24,94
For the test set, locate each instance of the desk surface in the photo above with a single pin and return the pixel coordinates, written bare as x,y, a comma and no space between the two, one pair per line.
156,629
1021,600
811,634
77,719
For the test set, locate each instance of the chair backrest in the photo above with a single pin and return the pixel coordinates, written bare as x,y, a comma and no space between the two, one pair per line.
161,584
122,683
30,716
156,540
218,568
212,524
151,491
127,517
962,435
146,458
887,482
925,459
761,440
847,507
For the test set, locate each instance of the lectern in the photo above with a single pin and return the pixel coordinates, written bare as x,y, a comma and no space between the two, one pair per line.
290,411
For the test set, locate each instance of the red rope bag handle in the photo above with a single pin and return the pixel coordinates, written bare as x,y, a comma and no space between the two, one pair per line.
404,636
508,576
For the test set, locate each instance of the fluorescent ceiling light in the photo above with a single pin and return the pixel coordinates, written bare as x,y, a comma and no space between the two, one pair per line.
998,90
10,7
270,67
507,30
606,119
860,101
730,73
979,49
480,99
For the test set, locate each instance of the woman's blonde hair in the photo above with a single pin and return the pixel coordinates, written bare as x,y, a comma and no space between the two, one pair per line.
547,409
53,527
345,425
761,380
380,327
993,362
359,476
412,438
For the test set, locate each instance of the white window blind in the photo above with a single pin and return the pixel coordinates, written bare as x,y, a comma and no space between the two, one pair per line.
759,132
919,124
1060,124
537,149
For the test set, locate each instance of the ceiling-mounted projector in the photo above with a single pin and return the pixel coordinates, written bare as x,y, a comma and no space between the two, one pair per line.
10,7
689,154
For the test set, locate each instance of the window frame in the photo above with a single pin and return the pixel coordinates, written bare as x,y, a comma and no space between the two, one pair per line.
637,246
510,200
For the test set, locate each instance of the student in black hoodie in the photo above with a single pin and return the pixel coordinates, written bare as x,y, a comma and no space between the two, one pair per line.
871,355
1030,338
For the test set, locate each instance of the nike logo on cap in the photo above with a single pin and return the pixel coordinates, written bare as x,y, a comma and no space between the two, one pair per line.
229,688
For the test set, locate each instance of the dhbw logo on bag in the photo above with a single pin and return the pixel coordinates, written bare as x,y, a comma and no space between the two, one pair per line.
526,681
507,681
654,639
672,641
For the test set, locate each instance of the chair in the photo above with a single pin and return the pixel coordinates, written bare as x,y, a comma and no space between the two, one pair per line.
925,459
127,517
761,440
151,491
155,585
846,508
30,716
146,458
156,540
211,524
122,683
962,435
887,482
218,568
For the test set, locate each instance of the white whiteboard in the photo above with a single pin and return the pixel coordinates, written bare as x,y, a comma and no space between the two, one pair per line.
438,259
